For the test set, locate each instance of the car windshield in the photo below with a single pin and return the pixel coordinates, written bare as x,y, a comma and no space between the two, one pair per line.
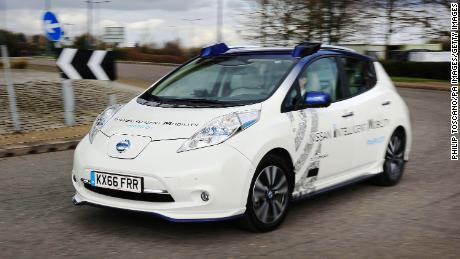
224,79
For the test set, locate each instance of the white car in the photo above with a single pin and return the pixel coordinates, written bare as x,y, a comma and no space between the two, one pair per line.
242,131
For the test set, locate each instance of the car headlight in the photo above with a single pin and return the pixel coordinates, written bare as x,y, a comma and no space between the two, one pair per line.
102,119
220,129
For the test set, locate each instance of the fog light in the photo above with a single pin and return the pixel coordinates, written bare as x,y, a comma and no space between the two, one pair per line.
205,196
73,177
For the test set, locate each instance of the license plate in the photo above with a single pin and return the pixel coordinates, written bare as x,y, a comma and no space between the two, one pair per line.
117,182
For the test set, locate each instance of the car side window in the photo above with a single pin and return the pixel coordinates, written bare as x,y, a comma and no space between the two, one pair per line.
359,76
292,98
321,75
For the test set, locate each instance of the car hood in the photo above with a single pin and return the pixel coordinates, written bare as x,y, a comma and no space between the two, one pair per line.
161,123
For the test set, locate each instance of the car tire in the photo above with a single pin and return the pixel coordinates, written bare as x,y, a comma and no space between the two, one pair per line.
269,196
393,166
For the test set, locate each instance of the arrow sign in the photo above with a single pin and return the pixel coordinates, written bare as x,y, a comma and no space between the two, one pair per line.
64,62
52,27
95,62
86,64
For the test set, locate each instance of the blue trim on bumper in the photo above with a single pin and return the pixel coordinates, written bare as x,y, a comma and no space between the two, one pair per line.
296,199
331,188
159,215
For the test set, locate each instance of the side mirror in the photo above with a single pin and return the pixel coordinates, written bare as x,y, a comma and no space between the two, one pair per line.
317,100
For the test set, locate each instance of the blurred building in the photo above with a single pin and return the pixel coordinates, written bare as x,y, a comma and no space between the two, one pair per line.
430,52
114,36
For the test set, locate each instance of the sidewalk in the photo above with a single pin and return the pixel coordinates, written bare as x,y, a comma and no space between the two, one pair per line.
40,106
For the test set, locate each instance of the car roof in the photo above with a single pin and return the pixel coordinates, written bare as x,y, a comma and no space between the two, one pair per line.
324,50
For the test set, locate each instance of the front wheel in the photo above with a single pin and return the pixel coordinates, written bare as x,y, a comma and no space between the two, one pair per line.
393,167
268,199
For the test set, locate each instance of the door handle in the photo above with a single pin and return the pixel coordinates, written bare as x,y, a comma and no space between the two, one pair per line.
348,114
386,103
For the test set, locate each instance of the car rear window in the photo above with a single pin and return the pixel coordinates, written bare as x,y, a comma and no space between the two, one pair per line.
359,75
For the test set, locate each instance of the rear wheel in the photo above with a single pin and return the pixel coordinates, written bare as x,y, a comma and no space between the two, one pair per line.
268,198
393,167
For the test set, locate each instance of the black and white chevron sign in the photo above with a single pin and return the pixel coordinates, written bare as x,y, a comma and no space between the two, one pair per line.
86,64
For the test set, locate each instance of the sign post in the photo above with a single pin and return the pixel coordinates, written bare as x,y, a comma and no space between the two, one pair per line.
69,102
10,89
54,32
112,99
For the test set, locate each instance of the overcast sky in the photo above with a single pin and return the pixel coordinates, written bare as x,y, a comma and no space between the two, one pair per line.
145,20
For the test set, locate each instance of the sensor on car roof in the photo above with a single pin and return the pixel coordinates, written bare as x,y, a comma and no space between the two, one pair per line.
214,50
305,49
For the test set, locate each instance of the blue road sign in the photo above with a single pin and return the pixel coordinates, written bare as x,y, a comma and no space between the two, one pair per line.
53,29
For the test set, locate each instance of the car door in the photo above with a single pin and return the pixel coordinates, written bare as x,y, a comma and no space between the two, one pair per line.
369,103
323,149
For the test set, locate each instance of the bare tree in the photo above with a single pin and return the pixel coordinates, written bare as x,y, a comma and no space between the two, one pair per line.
396,16
272,22
437,20
444,3
420,20
285,22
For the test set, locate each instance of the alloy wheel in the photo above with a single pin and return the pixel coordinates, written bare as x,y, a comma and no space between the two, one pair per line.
394,157
270,194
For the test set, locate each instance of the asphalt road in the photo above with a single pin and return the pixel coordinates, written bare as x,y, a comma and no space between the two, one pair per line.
418,218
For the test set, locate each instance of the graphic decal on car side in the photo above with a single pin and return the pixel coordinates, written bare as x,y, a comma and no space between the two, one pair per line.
311,126
307,134
301,129
376,140
291,118
307,123
306,182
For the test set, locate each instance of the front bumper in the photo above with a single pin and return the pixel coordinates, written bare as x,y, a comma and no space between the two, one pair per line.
221,171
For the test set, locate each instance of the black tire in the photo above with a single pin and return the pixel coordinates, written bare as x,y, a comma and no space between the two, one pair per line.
266,210
393,167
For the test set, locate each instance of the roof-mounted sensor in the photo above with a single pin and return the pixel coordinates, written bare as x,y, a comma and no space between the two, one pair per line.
214,50
305,49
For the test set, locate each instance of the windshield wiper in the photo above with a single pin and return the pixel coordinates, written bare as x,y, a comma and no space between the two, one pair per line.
192,101
198,100
149,100
156,98
186,101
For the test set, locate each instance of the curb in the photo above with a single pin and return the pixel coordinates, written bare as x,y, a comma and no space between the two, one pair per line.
39,147
422,86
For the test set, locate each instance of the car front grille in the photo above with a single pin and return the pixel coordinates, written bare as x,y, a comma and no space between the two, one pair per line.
150,197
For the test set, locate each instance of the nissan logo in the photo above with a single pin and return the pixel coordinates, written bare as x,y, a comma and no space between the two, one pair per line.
123,145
